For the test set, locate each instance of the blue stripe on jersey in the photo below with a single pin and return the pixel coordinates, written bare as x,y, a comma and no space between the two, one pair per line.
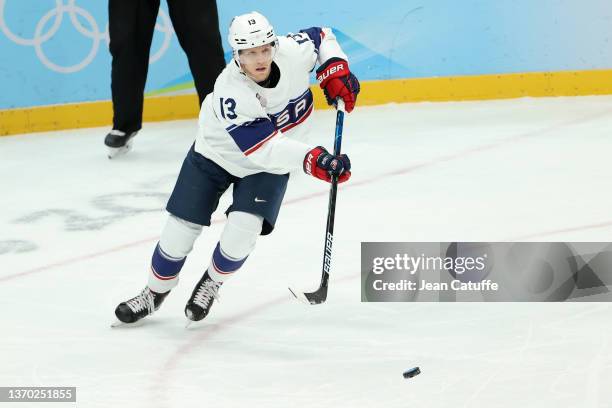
250,134
315,35
294,113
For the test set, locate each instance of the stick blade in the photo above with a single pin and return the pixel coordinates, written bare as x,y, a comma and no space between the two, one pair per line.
313,298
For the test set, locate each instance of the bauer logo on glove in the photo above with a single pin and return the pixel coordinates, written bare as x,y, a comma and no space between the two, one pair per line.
337,81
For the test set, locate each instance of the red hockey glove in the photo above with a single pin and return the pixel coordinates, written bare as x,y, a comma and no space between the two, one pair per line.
321,164
337,81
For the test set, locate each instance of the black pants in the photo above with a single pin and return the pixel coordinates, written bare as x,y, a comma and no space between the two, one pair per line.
131,26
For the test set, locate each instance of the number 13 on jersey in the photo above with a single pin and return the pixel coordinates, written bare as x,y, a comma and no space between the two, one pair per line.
230,105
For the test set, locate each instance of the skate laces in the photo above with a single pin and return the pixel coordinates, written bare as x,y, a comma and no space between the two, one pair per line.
117,132
209,289
144,300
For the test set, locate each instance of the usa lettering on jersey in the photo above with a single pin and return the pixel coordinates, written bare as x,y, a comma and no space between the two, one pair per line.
296,111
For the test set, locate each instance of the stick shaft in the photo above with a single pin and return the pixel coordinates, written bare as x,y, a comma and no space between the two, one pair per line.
331,208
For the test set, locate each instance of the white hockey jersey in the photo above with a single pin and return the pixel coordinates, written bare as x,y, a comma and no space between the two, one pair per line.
248,129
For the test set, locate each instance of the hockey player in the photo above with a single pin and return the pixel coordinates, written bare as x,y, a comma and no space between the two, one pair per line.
249,134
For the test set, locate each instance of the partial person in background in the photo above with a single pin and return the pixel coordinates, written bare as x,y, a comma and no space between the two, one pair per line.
131,26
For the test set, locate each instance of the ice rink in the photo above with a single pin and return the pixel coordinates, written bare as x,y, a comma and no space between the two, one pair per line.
78,230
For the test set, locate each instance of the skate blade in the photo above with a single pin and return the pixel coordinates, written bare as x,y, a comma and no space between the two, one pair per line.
189,320
118,324
114,152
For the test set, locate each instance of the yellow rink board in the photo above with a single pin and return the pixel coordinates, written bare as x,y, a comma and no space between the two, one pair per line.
463,88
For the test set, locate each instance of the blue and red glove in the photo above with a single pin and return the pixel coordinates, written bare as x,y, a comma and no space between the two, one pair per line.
337,81
321,164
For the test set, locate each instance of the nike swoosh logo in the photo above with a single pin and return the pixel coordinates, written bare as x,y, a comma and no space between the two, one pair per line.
257,200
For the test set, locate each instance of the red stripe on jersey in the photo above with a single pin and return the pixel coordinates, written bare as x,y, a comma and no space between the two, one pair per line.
302,119
258,145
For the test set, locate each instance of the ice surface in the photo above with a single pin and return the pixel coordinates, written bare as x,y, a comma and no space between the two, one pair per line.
77,232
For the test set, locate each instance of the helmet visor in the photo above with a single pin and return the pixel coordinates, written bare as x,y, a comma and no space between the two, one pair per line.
263,54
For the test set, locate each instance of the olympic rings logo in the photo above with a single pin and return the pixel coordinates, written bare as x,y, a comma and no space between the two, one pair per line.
93,32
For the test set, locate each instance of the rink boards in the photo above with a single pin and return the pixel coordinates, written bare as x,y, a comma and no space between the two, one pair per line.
459,88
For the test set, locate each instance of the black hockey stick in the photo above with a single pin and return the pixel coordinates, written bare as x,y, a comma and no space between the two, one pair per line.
319,295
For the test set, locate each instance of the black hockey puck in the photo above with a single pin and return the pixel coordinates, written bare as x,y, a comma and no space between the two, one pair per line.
412,372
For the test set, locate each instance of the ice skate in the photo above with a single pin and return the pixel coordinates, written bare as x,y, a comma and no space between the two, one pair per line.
202,298
143,305
119,143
